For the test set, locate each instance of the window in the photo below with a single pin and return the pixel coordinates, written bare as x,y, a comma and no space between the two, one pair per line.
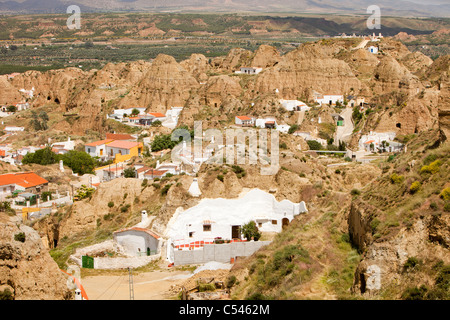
260,224
206,227
89,150
274,222
191,234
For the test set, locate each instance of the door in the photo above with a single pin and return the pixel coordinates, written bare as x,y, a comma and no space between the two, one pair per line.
235,232
284,222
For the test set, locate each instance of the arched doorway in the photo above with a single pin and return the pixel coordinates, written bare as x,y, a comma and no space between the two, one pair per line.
284,222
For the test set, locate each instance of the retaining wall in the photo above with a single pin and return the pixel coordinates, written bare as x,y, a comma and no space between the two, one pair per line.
217,252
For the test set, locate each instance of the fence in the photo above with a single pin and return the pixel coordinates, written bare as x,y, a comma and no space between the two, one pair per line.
217,252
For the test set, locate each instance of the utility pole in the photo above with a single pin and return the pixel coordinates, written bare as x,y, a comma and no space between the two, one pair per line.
130,280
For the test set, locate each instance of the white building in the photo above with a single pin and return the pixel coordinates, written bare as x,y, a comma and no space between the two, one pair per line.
244,121
172,116
137,241
97,148
223,218
373,49
294,105
268,122
64,146
12,129
249,70
374,141
119,113
283,128
330,99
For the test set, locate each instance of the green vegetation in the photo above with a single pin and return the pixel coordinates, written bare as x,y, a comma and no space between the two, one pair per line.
20,237
415,186
84,192
250,231
397,179
129,172
79,161
6,295
314,145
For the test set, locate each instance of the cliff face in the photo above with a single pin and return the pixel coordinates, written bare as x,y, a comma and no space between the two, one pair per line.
26,268
311,66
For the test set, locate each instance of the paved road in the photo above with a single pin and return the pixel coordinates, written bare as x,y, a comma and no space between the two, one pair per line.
343,133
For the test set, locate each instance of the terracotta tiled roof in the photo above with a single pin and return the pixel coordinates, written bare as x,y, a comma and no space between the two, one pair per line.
245,118
99,143
123,144
155,172
119,136
23,179
157,114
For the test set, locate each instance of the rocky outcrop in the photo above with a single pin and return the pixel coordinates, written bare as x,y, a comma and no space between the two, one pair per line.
26,268
310,66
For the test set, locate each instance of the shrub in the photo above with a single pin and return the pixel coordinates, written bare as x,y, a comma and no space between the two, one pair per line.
156,185
337,171
125,208
314,145
220,177
412,263
415,186
110,204
46,195
231,280
415,293
20,237
433,205
283,145
431,168
202,287
144,183
165,189
447,206
445,194
129,172
355,192
6,295
395,178
429,159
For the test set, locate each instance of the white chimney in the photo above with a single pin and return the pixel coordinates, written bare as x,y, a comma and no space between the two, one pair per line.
78,295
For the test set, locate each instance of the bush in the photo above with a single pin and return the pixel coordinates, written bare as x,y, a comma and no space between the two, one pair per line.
415,293
231,280
129,172
220,177
202,287
6,295
447,206
46,195
445,194
20,237
415,186
355,192
314,145
110,204
165,189
412,264
156,185
432,168
395,178
125,208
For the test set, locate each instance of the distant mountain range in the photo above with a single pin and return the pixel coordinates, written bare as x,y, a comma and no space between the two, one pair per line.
388,7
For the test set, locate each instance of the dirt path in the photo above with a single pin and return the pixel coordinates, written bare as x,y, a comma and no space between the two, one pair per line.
153,285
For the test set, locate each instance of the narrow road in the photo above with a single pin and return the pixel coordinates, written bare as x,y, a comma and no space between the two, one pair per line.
343,133
361,45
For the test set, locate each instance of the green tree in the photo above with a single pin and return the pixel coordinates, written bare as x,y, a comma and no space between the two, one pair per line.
79,161
129,172
135,112
250,230
43,157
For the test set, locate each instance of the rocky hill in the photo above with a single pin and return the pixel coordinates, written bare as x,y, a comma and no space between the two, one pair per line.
403,87
27,272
